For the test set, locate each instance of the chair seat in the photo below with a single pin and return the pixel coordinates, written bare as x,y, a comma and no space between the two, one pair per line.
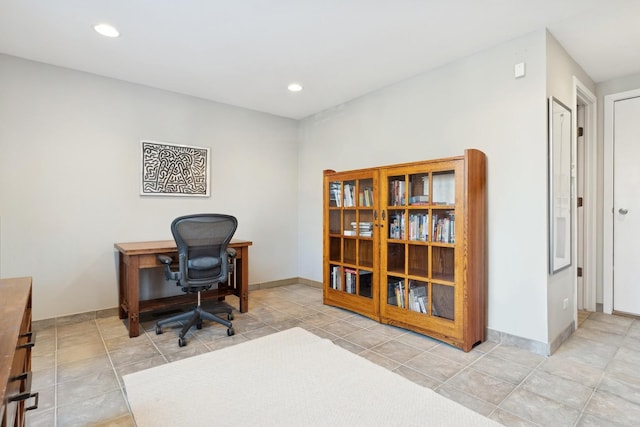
203,263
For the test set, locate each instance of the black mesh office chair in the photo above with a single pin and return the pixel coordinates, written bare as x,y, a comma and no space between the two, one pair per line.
204,261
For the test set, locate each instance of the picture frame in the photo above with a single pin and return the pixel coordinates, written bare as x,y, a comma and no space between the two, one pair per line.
560,163
169,169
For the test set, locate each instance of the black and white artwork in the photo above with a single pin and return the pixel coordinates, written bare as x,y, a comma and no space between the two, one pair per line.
174,170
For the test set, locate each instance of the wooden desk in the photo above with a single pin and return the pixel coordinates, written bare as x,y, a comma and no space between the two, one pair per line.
16,341
135,256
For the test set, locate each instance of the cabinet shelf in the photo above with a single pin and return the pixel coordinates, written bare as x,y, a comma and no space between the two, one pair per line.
406,245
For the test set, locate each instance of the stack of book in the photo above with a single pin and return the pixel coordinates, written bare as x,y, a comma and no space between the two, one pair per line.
363,229
419,200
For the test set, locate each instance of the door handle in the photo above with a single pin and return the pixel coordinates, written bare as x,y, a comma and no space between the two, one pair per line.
623,211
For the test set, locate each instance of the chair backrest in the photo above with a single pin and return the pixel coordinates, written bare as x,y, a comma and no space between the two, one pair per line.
202,241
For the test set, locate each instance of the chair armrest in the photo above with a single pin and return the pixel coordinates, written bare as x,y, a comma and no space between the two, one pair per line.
165,259
166,262
231,252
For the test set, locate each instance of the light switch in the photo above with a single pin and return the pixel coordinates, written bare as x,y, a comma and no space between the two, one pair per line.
519,70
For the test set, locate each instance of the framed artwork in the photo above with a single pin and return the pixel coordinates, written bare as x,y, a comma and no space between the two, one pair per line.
174,170
560,213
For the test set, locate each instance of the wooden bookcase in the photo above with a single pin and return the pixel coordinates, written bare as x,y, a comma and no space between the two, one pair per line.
406,245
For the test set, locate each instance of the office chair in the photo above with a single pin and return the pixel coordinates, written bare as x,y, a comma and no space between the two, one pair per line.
204,260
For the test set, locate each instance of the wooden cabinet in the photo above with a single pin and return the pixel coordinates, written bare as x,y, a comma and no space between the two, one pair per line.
406,245
16,341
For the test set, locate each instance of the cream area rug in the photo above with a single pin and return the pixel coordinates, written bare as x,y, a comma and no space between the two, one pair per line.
291,378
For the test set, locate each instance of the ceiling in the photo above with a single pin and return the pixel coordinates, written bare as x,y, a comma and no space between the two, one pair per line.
246,52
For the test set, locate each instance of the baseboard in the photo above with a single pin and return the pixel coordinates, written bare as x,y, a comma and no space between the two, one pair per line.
562,337
516,341
285,282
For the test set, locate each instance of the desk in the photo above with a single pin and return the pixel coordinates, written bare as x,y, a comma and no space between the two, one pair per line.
135,256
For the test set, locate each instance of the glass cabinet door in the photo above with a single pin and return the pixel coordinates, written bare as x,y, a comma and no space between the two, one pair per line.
351,241
418,243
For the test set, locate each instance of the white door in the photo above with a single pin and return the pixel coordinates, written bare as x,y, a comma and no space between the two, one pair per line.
626,206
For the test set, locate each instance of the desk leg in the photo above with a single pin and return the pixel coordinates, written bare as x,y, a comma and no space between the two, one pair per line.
122,288
244,280
133,294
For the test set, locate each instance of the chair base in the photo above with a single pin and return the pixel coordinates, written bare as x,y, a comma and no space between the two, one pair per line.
195,317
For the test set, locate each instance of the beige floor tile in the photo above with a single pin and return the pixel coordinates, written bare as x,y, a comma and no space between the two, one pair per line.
365,338
508,419
396,350
609,406
481,386
434,366
586,351
82,368
95,384
573,370
417,377
79,361
100,409
539,409
499,368
79,352
470,401
557,388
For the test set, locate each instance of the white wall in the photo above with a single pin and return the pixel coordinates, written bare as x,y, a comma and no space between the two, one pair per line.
472,103
560,71
69,180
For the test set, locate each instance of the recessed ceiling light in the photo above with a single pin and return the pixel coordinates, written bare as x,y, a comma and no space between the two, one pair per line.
106,30
294,87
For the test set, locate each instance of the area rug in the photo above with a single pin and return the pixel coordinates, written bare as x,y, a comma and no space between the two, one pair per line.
290,378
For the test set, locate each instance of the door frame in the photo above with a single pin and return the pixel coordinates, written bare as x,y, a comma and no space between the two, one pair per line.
583,96
607,211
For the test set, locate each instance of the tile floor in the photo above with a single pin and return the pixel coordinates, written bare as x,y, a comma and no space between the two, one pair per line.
592,380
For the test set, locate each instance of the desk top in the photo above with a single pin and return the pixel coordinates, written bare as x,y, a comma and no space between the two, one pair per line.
159,246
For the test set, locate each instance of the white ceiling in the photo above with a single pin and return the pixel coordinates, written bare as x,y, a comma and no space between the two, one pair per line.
246,52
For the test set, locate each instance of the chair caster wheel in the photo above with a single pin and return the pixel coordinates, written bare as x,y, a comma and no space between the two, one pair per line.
182,342
199,324
230,316
158,330
230,332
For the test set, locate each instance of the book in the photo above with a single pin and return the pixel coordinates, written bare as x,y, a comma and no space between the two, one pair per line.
397,192
417,296
335,277
350,280
444,229
348,195
335,193
399,291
